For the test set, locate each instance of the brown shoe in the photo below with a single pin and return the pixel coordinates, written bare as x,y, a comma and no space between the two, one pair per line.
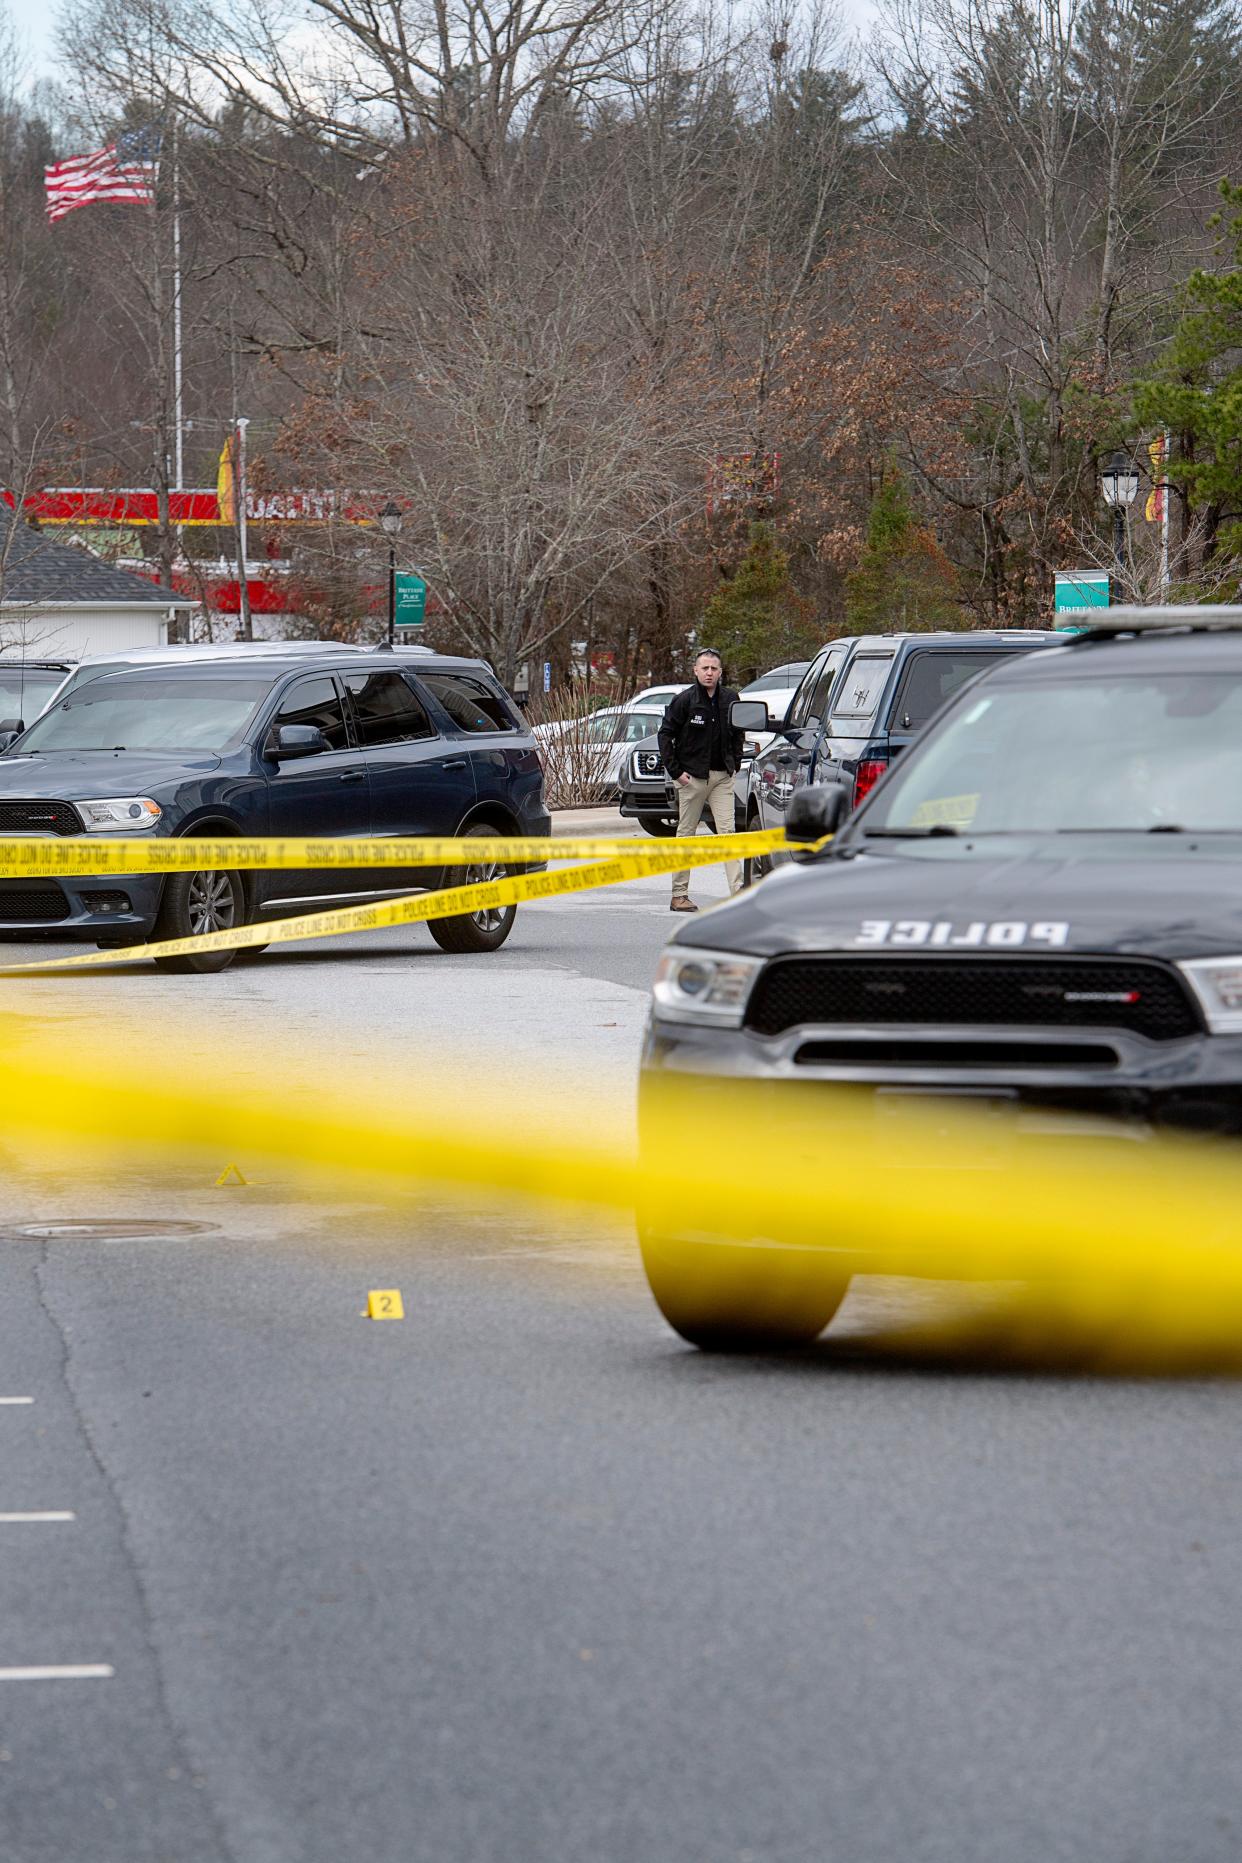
681,904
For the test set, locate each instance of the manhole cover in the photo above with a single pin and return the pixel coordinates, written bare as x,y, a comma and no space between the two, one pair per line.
109,1229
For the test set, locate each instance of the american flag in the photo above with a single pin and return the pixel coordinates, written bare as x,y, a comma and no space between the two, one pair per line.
126,170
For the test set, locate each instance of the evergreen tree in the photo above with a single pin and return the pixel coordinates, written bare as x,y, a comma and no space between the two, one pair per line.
1195,391
757,618
903,578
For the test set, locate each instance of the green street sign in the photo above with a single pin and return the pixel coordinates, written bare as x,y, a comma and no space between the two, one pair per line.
411,603
1077,589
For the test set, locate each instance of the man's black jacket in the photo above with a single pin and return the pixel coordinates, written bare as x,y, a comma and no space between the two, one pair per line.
686,734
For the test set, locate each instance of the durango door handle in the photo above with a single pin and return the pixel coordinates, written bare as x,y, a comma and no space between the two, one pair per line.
454,763
352,776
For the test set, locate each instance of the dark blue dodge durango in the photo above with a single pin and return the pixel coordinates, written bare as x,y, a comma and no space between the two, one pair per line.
356,745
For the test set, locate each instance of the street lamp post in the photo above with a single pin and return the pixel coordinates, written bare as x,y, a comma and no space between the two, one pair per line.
390,524
1119,483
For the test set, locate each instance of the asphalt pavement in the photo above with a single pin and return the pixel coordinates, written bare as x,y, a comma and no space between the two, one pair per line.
520,1578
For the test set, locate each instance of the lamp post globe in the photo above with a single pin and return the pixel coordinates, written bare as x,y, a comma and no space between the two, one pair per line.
1119,484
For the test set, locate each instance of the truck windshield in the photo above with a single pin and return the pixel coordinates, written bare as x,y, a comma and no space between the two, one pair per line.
1076,752
24,691
146,712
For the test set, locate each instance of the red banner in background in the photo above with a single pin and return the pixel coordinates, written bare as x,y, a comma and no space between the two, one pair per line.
86,504
1153,511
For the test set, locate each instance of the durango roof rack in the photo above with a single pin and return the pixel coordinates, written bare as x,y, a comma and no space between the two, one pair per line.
1196,617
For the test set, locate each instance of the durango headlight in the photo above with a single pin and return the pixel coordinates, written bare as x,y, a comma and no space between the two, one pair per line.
119,814
1217,982
704,986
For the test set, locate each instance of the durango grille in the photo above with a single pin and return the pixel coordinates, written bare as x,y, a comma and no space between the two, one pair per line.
38,817
1120,993
26,902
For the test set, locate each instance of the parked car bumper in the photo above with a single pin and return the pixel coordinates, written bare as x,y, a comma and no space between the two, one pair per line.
639,799
122,906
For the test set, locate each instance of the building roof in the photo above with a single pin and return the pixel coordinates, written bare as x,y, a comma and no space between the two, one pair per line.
37,570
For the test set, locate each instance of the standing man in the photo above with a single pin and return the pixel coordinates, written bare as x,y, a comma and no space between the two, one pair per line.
700,751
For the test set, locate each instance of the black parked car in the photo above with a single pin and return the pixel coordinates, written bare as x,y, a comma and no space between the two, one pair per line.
1038,910
359,745
863,699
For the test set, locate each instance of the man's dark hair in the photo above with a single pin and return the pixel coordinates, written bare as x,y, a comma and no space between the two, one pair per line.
713,653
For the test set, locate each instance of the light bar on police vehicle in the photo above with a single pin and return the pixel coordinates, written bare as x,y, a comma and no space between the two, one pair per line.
1134,619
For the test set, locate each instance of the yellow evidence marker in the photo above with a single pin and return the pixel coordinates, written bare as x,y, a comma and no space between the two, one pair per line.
384,1303
230,1175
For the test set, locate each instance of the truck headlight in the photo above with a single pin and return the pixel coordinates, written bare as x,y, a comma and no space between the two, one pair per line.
704,986
1217,982
119,814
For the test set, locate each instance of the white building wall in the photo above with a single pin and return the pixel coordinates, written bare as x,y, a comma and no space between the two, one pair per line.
68,633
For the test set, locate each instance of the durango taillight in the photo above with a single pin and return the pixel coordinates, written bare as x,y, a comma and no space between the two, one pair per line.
868,774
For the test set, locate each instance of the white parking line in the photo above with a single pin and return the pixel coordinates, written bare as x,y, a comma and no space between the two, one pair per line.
9,1520
16,1400
60,1672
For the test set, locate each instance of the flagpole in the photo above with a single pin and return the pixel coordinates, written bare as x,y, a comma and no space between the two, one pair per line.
239,495
1164,519
178,409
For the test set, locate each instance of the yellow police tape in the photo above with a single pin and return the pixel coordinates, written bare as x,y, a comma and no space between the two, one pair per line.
1129,1255
54,857
449,902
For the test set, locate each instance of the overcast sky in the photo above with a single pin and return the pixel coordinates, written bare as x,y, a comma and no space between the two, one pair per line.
36,21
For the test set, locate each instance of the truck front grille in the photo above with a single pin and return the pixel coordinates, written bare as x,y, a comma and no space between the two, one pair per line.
1137,994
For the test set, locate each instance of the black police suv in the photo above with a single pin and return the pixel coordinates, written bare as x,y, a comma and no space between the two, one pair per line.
342,744
1040,905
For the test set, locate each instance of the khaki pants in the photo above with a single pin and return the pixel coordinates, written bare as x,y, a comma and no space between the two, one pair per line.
714,792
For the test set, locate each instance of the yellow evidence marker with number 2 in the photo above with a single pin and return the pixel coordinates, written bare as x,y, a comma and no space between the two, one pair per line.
384,1303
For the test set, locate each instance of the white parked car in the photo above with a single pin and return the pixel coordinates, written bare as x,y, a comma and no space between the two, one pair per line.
776,689
597,746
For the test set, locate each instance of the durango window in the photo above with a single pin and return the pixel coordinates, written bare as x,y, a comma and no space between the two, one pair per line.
315,702
386,709
1078,752
150,713
469,703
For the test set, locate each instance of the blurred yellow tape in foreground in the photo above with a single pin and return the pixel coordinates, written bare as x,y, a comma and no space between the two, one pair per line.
1136,1247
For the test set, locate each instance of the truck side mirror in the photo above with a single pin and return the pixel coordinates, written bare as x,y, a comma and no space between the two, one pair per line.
749,715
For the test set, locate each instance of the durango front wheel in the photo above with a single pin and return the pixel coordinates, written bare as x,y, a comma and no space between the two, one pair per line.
486,929
195,903
730,1297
